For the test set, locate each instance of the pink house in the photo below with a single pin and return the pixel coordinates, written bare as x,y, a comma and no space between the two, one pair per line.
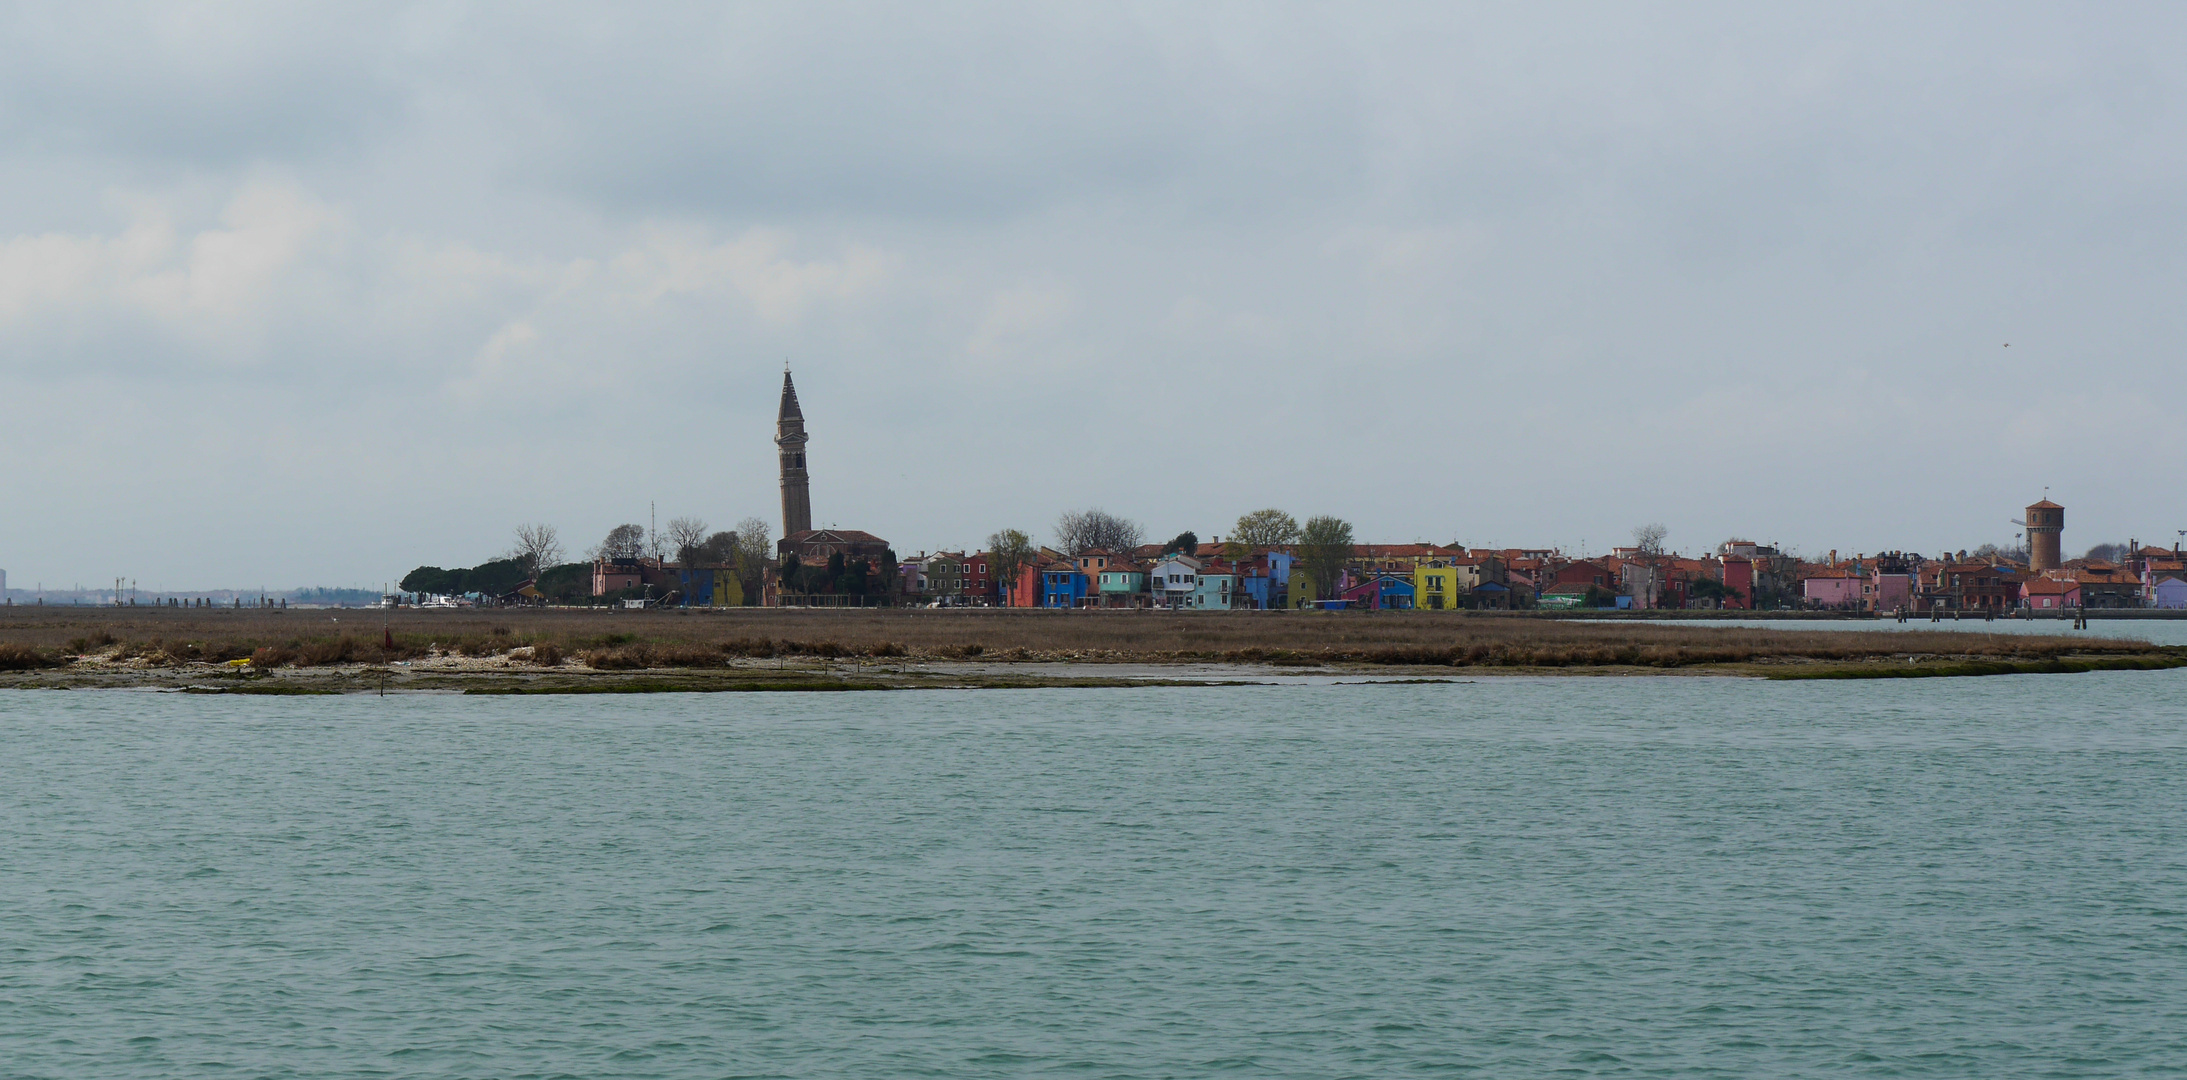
1832,589
2050,594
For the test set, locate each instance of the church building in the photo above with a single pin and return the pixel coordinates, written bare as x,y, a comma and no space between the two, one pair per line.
812,547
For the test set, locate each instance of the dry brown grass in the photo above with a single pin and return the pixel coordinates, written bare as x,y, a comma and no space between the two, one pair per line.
625,639
14,657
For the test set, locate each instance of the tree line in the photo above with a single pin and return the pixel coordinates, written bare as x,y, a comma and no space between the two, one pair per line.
536,552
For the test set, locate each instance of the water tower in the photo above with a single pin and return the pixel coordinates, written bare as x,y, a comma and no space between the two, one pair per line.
2046,520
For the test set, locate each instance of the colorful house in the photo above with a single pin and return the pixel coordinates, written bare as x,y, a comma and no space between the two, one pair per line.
1396,591
1216,586
945,577
1306,593
2050,594
615,575
1831,588
2168,591
1061,585
1738,582
1437,588
1121,583
1172,580
1366,593
1263,580
1302,592
1891,584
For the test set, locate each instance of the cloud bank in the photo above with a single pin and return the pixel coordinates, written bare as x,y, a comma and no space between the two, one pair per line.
316,295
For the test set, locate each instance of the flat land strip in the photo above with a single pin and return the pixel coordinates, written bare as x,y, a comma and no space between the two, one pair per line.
601,651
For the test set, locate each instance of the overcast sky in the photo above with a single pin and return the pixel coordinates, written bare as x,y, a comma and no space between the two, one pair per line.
293,297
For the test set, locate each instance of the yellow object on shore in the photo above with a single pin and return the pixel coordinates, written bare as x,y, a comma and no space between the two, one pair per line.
239,663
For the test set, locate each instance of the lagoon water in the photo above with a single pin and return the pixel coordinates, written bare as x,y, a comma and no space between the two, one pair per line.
1507,877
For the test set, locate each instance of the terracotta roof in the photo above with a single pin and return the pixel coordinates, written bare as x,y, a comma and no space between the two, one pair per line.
848,536
2051,586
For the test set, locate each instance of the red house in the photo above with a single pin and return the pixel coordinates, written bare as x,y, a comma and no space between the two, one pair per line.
1738,582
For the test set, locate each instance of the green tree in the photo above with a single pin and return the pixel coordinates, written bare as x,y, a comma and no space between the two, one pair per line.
1186,541
1325,546
1265,528
1712,589
426,579
1008,552
719,549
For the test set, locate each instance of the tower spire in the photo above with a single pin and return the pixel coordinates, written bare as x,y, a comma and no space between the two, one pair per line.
797,511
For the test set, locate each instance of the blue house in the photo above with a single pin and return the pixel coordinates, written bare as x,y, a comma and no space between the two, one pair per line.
1397,592
697,587
1263,585
1062,586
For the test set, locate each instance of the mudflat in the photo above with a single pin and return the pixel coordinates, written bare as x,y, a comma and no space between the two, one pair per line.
579,650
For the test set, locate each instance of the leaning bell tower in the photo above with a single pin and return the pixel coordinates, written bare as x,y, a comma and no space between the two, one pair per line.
797,506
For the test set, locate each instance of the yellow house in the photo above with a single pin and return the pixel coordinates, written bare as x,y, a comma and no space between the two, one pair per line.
1302,587
1439,588
728,591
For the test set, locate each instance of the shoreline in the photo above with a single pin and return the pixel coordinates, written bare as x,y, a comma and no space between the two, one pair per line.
520,678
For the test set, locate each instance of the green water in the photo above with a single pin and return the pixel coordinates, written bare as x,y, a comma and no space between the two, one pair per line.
1641,877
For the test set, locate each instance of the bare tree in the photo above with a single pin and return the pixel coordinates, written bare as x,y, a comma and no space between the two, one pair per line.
1649,538
623,542
686,535
1009,550
1265,528
539,546
1086,530
754,550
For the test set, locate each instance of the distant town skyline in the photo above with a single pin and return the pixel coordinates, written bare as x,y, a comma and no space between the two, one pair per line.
309,297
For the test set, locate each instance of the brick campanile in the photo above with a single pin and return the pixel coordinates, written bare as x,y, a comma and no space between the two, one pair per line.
797,506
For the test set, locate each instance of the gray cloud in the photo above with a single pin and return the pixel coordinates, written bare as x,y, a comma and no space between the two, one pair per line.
318,295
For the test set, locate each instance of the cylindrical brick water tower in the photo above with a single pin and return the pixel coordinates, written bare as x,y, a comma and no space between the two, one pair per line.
2046,520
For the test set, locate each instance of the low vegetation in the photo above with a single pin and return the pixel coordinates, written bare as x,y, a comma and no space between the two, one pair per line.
33,639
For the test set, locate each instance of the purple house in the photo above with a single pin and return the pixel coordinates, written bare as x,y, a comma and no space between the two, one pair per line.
2168,592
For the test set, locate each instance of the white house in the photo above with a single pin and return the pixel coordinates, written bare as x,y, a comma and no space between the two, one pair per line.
1172,580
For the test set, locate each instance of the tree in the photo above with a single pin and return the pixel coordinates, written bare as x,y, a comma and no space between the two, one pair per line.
719,549
537,547
426,579
754,551
1712,589
1325,546
1186,541
1008,551
623,542
1265,528
686,535
1086,530
1648,539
